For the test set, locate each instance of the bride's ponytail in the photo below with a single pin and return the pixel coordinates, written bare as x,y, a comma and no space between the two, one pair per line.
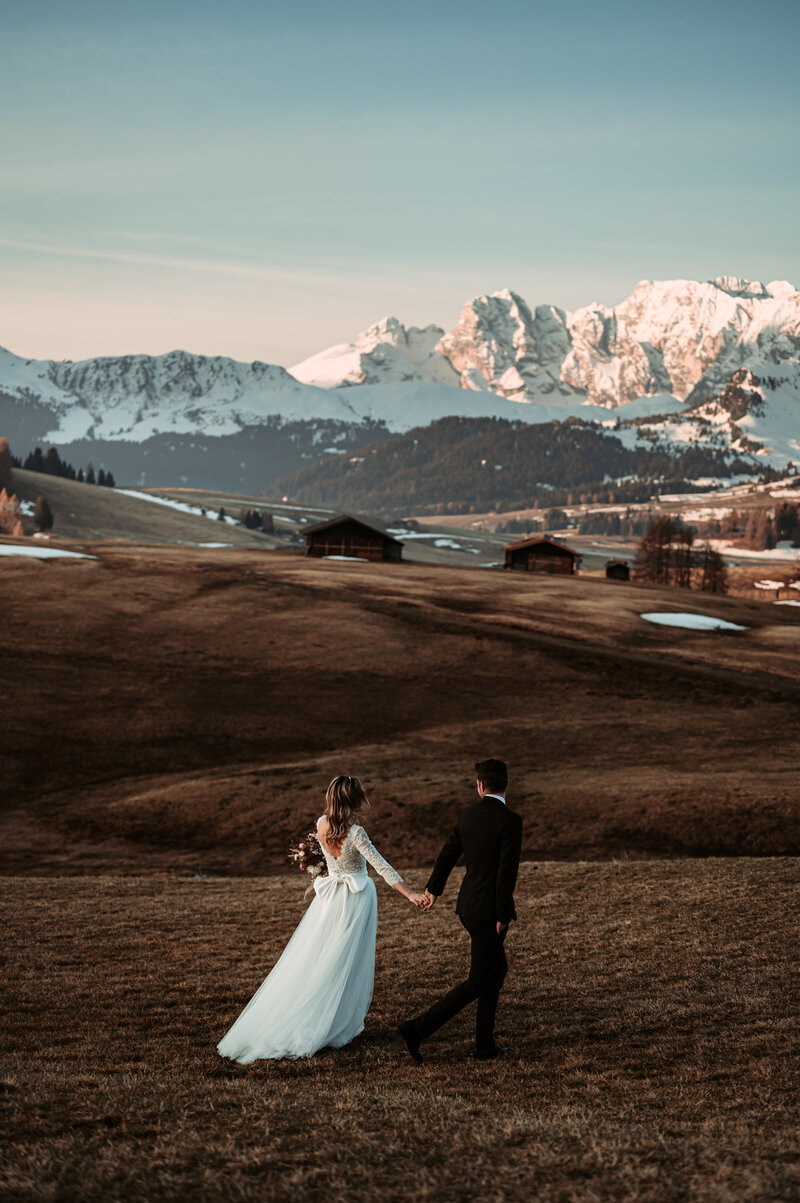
344,798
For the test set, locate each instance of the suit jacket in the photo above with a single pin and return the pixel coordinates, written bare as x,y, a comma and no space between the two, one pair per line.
490,837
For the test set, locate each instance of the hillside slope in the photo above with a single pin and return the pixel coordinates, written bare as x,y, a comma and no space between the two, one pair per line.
186,707
86,512
462,464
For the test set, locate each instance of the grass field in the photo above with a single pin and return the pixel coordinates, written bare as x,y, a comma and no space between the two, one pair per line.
652,1006
185,708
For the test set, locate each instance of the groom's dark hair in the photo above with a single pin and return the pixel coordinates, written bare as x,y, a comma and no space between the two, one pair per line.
492,774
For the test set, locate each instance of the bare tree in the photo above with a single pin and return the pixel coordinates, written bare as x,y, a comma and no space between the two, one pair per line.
714,578
654,561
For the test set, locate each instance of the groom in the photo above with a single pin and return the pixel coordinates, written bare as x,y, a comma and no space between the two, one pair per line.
490,837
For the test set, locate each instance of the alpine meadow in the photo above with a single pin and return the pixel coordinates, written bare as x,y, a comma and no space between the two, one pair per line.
400,603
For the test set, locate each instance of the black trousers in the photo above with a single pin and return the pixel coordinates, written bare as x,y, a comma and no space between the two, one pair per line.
487,970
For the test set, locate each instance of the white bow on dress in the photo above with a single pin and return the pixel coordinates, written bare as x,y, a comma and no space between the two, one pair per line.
355,882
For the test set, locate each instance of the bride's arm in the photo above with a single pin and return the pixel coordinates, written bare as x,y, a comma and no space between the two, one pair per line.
391,876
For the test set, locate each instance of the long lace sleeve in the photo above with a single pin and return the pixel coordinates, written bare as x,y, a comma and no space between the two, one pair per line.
368,850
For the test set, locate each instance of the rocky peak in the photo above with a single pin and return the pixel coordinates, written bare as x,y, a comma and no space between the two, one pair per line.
385,353
499,345
735,286
678,337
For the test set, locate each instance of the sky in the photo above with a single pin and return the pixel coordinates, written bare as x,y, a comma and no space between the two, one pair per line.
262,179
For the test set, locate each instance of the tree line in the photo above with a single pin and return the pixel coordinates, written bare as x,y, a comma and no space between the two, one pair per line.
51,464
476,464
10,508
758,527
668,555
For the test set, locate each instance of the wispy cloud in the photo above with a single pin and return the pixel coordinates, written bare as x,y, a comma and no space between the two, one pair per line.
342,278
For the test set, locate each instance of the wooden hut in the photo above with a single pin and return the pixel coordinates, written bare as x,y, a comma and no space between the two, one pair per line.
618,570
541,553
344,535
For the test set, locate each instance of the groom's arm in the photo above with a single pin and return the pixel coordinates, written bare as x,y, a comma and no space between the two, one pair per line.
507,869
445,861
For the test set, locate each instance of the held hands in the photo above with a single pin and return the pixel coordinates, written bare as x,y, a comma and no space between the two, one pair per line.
417,900
423,902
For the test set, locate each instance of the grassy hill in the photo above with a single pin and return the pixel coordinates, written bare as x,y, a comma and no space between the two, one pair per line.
85,512
186,707
82,511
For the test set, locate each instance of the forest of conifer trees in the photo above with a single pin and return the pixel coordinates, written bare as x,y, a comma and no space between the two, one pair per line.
461,465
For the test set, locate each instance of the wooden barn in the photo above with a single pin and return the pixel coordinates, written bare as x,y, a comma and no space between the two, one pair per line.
344,535
618,570
540,553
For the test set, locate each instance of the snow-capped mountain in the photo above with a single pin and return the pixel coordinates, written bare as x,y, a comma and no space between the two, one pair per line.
756,414
662,360
386,353
678,337
135,396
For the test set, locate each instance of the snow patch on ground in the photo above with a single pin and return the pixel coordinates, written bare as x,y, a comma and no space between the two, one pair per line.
784,551
42,553
455,546
438,540
692,622
183,506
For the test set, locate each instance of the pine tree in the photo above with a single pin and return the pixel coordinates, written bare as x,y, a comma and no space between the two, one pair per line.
110,482
42,514
221,515
80,476
90,476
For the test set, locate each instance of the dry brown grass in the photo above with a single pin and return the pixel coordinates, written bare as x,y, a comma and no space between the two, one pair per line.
87,512
652,1005
174,708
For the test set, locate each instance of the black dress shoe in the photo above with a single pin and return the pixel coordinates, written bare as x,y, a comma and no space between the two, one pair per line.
490,1054
411,1041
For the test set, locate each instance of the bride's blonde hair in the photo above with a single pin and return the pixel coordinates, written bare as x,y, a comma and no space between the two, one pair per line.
344,798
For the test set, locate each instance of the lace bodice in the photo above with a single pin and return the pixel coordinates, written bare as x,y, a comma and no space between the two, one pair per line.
357,848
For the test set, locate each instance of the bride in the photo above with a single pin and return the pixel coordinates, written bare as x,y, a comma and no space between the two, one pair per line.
319,992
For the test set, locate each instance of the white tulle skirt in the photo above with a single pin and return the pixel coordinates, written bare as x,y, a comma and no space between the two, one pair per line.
319,992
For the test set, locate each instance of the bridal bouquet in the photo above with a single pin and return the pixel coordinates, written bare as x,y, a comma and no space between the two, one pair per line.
309,858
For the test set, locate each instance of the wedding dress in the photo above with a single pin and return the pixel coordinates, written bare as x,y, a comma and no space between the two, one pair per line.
320,989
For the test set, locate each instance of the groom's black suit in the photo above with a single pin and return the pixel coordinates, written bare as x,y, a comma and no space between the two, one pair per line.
489,836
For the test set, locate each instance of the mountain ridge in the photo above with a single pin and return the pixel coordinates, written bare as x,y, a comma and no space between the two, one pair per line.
667,349
679,337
